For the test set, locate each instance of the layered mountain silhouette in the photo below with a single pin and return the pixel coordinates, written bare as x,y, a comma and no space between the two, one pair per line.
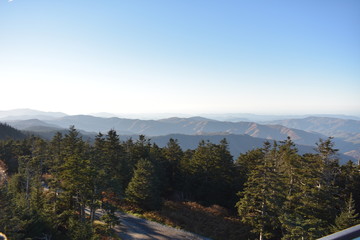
346,129
188,126
24,114
242,136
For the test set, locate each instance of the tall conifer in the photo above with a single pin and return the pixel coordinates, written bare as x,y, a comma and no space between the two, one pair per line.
262,196
143,188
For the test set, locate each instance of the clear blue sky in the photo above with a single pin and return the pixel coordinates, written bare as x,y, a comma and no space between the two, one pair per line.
181,56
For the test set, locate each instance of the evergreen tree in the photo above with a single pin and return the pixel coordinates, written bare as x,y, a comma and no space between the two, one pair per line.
348,182
73,178
134,151
246,162
143,188
55,160
156,156
212,172
348,216
76,182
10,217
26,191
302,215
115,166
185,181
330,171
263,195
173,155
329,157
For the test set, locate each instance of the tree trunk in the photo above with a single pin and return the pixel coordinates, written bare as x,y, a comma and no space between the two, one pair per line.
82,211
92,214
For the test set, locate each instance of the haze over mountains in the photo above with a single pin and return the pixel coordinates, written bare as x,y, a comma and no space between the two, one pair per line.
241,135
25,113
346,129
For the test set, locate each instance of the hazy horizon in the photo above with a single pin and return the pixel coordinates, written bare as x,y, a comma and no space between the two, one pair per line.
156,116
181,57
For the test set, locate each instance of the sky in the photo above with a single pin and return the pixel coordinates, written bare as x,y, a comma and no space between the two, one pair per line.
181,56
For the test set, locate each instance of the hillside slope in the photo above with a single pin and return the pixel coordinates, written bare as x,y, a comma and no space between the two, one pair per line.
348,130
8,132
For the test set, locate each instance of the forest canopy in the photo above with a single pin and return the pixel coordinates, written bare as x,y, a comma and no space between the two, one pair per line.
52,189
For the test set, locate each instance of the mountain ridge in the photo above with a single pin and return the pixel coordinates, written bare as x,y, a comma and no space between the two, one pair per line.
193,129
346,129
306,131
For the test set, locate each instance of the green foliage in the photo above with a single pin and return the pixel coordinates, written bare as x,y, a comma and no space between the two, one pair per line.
283,195
115,167
110,219
210,174
248,161
304,187
143,188
348,217
263,195
173,155
300,217
78,230
348,182
10,218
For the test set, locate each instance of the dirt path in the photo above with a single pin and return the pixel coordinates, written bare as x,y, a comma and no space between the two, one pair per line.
132,227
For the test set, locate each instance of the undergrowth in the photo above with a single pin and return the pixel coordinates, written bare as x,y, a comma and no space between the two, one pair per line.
214,222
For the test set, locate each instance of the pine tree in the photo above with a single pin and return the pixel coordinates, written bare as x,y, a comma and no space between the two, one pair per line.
74,175
302,214
143,188
10,217
134,151
211,173
115,166
173,155
348,182
348,216
263,195
248,161
156,156
330,171
329,157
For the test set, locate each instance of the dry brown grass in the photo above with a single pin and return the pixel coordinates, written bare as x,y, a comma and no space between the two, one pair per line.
214,222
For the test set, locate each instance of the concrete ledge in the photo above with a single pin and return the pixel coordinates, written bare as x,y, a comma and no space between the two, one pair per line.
346,234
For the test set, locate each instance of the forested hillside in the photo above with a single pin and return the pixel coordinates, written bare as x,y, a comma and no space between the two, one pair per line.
272,192
8,132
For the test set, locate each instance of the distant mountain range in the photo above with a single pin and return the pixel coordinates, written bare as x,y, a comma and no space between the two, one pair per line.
188,126
348,130
242,135
23,114
236,117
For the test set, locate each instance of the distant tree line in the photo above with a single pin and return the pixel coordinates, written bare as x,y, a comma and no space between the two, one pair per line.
55,187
